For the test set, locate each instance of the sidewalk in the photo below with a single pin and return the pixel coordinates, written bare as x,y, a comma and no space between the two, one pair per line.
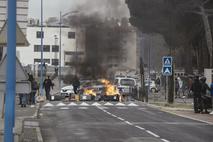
23,133
182,107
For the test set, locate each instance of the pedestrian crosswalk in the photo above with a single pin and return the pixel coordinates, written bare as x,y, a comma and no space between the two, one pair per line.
89,104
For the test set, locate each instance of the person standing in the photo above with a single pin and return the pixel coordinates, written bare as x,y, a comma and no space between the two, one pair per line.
76,84
34,87
196,89
176,88
204,88
47,85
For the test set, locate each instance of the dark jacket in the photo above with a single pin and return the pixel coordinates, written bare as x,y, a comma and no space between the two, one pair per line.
196,88
47,84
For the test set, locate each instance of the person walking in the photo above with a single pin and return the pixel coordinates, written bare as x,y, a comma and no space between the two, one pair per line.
204,88
47,85
196,89
211,87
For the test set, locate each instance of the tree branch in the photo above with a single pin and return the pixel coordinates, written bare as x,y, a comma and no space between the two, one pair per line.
205,2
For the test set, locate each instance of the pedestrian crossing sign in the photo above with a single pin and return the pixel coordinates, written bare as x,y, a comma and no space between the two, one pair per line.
167,71
167,61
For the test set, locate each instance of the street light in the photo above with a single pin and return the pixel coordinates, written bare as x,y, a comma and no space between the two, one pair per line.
41,66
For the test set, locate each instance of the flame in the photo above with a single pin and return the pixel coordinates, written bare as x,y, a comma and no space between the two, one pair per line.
110,90
89,92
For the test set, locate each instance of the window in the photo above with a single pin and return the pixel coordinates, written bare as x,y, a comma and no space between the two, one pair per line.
71,35
55,48
46,48
36,60
55,62
39,35
37,48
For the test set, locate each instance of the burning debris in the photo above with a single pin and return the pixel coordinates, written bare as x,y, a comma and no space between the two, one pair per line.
110,89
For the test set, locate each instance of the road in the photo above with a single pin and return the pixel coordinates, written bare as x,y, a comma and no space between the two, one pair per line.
116,122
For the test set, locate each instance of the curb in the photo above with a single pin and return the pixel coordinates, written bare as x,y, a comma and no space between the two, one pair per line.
169,110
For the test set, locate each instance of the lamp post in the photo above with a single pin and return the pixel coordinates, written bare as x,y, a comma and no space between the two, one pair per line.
41,66
59,77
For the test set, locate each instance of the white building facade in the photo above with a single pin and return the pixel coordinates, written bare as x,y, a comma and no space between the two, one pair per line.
72,46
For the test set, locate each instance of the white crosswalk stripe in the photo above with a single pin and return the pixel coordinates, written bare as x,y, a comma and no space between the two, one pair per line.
103,105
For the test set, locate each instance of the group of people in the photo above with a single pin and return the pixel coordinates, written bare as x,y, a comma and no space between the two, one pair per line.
199,88
30,98
25,99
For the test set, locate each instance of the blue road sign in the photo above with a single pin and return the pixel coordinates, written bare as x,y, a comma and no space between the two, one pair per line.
167,61
167,71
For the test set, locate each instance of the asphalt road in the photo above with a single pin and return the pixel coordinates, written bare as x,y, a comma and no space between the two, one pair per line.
117,123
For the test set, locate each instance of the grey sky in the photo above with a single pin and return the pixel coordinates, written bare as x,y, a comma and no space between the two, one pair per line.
52,8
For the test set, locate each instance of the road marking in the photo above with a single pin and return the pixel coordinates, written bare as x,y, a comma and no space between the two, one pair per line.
72,104
129,123
61,104
84,104
64,108
120,118
132,104
120,104
96,104
48,105
83,108
121,107
141,128
165,140
153,134
108,104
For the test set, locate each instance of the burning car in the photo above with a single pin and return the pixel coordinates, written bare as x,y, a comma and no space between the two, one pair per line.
111,92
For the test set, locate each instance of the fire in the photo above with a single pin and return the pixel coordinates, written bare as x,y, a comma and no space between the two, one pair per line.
89,92
110,90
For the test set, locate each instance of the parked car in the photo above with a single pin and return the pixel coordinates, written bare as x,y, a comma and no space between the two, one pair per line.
153,87
67,91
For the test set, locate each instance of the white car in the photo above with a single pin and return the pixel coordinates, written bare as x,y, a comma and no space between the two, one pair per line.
67,91
153,88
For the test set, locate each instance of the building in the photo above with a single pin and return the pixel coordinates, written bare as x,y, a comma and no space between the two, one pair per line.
22,13
72,46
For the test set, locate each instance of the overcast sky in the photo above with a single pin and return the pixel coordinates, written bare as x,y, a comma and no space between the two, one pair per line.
52,8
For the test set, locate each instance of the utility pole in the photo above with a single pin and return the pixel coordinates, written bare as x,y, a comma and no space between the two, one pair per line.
59,76
42,49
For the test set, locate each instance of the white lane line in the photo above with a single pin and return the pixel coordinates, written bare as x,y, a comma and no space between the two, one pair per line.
120,118
64,108
84,104
153,134
141,128
129,123
132,104
83,108
165,140
114,115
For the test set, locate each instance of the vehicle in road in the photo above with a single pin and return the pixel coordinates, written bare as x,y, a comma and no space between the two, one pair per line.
126,85
152,86
67,91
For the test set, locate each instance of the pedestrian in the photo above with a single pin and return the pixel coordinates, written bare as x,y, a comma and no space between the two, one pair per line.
34,88
176,88
211,87
196,89
47,85
204,89
76,84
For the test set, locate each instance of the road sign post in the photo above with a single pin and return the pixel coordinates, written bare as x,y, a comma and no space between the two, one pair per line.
167,65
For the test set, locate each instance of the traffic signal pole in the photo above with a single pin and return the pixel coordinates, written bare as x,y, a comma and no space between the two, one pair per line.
9,119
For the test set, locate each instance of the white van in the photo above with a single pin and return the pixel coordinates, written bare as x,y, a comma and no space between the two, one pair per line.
125,84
